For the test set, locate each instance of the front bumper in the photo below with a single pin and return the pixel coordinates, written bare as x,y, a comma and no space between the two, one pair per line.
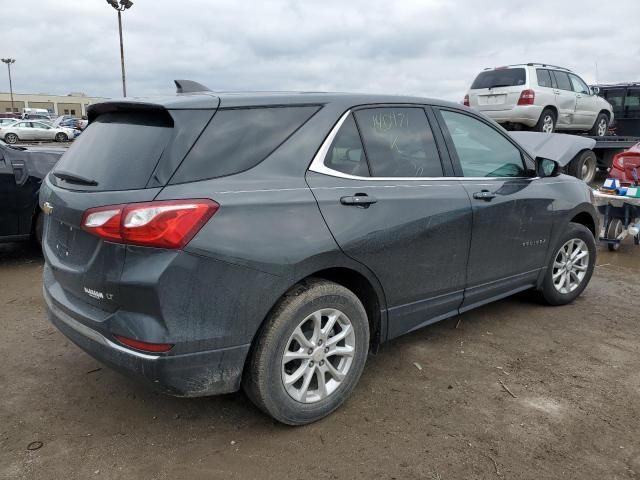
187,375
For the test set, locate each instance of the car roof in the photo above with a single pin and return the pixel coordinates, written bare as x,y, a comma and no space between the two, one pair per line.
204,100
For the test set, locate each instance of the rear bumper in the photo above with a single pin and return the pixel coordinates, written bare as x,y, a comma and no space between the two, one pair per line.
188,375
526,115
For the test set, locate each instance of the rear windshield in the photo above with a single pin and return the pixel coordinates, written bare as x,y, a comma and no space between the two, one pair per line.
505,77
239,139
119,150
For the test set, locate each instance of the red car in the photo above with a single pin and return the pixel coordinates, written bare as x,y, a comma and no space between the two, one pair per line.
626,166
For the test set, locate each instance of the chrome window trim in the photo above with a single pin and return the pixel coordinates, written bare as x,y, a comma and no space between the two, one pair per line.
318,166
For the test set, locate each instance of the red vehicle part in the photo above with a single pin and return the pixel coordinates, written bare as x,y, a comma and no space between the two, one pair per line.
626,166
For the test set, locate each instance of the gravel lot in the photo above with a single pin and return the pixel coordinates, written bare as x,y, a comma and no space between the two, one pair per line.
574,373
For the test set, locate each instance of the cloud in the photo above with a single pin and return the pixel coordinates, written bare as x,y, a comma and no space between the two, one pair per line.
428,48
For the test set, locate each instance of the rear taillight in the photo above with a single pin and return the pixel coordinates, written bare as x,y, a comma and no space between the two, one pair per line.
161,224
618,162
527,97
466,101
144,346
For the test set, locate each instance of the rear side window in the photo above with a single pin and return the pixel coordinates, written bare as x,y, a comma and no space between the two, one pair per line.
544,78
346,153
632,103
481,150
399,142
119,150
501,77
562,80
616,98
239,139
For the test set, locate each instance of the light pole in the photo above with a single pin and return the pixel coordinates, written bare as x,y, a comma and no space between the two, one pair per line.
9,62
124,5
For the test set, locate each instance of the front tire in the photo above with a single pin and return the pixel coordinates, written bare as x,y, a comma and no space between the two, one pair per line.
310,354
62,137
601,126
584,166
546,122
571,266
11,138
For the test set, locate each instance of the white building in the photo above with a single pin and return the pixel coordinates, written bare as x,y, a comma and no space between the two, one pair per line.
74,103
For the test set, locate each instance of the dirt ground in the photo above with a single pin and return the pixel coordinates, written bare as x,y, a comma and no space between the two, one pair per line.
574,373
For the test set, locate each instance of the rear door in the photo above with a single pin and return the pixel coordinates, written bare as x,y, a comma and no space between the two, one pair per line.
112,163
565,99
379,180
512,210
42,131
24,130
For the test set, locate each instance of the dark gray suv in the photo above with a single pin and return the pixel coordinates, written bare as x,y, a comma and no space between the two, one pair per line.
206,241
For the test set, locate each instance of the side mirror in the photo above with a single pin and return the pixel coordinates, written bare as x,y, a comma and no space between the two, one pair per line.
546,167
595,90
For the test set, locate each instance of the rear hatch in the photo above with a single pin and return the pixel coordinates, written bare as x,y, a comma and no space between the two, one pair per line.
126,155
497,89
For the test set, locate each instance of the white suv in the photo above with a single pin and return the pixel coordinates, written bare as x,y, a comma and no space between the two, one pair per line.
543,97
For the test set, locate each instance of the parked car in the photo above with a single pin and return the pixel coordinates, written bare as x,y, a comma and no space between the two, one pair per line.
32,130
539,96
626,166
204,241
7,121
21,172
625,101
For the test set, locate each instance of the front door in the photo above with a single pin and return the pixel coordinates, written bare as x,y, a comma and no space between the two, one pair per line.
389,207
512,210
586,104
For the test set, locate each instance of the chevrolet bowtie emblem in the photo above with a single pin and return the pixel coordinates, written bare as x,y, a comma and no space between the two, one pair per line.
47,208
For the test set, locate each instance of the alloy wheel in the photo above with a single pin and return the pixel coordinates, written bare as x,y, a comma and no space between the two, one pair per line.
11,138
318,355
570,266
547,124
602,127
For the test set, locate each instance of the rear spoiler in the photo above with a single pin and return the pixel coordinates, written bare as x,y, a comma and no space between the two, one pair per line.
93,111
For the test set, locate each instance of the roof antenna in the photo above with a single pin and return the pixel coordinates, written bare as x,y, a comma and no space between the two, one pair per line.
189,86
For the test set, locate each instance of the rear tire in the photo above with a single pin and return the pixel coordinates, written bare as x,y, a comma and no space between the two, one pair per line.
277,357
574,258
546,122
601,126
584,166
11,138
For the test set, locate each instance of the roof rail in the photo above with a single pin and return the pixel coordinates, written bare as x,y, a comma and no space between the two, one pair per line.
531,64
189,86
621,85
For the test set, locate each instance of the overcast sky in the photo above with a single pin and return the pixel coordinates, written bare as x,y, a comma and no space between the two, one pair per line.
423,47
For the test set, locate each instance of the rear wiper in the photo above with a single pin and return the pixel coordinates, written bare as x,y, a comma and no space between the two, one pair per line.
71,178
496,86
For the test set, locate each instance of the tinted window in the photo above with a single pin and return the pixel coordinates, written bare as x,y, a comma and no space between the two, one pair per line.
118,150
482,151
616,99
502,77
239,139
562,80
346,153
632,103
544,78
399,142
578,85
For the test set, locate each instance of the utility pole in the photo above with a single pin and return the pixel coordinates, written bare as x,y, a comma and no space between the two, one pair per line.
9,62
124,5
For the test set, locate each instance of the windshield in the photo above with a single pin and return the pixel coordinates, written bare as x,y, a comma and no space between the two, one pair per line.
505,77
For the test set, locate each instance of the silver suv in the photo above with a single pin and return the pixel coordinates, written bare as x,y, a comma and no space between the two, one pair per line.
543,97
